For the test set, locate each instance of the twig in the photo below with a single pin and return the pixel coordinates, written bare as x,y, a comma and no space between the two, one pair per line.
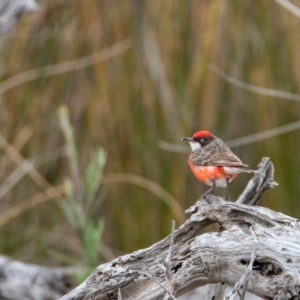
240,287
292,8
150,185
253,88
253,235
119,294
283,289
157,281
168,260
166,267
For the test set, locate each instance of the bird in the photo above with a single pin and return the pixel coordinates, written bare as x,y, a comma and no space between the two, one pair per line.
212,161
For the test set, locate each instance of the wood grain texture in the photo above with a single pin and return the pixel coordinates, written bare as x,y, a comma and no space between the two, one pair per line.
209,257
19,280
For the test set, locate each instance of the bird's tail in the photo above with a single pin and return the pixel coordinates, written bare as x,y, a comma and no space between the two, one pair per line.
237,169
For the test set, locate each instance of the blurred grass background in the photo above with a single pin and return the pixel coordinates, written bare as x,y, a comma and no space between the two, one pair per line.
155,84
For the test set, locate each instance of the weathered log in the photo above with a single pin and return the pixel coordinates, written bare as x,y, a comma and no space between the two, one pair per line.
31,282
210,257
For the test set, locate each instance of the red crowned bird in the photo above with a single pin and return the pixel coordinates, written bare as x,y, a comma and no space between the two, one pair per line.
212,162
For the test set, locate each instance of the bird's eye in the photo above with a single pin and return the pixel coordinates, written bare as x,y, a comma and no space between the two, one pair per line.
201,140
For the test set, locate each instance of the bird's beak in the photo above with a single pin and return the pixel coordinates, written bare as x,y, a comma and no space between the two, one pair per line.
187,139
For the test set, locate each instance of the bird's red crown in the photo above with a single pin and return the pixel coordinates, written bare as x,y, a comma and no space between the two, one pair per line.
202,134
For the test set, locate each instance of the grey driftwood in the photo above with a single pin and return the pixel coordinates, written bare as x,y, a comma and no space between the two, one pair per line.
24,281
270,239
12,10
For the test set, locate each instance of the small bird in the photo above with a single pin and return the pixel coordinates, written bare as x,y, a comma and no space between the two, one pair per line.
212,162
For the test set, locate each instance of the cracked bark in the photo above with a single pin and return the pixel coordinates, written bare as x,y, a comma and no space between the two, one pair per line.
211,257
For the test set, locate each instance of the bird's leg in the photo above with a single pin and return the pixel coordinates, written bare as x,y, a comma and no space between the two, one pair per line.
226,197
210,190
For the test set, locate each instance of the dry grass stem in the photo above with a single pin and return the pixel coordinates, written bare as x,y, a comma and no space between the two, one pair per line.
245,140
153,187
30,203
253,88
292,8
67,66
27,166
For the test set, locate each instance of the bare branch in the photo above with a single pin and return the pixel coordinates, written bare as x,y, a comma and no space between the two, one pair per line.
263,180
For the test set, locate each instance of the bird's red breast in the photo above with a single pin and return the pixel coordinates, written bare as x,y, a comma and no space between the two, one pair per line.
210,174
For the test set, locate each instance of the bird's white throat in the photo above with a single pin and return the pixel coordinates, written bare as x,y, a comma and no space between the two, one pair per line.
195,146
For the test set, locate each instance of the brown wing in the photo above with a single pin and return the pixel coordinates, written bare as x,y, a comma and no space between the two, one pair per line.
216,154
